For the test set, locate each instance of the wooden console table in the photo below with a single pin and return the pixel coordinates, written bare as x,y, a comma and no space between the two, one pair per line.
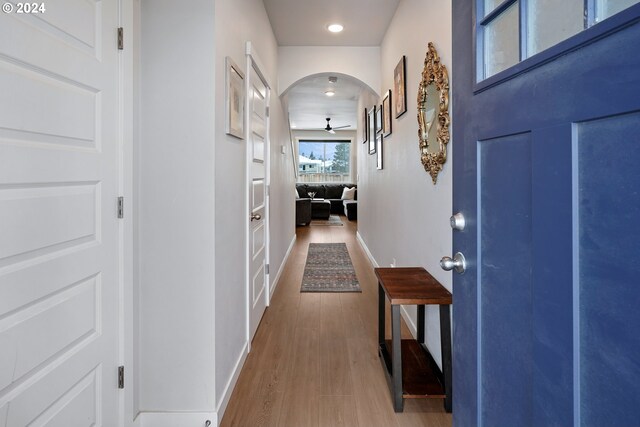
410,368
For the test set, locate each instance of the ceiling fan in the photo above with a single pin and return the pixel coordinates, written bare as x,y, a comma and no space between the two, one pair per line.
330,129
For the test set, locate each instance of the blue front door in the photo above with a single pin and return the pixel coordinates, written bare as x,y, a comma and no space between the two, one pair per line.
546,159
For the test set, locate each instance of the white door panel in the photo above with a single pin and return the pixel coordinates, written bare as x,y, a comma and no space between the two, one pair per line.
257,144
59,177
257,166
257,192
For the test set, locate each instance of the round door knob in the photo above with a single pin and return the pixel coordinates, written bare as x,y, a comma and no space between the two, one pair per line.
256,217
458,263
457,221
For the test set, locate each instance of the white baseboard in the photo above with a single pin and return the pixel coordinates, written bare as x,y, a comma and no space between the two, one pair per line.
366,250
175,419
403,311
194,419
274,284
409,321
228,389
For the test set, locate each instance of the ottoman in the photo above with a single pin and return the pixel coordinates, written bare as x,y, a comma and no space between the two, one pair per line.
350,209
320,209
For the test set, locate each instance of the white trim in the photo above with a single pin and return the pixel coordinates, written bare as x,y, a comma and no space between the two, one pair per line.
228,389
251,53
175,419
281,269
409,321
253,63
405,314
127,226
247,202
366,250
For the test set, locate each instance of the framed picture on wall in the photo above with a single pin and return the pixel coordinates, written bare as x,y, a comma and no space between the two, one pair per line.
293,148
399,78
372,130
379,151
234,100
386,114
365,127
379,119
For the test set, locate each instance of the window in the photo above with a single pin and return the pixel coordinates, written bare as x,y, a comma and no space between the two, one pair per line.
324,160
511,31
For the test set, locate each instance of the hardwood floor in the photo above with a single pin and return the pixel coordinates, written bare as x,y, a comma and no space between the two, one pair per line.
313,361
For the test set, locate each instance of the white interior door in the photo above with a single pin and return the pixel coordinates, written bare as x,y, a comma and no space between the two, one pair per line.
58,218
257,158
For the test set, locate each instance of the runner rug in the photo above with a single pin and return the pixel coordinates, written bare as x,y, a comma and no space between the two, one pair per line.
333,220
329,269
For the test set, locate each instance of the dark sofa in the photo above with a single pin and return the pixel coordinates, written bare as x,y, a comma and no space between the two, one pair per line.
303,211
331,192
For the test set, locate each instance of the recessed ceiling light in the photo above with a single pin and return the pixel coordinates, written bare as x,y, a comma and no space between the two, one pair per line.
330,92
335,28
293,126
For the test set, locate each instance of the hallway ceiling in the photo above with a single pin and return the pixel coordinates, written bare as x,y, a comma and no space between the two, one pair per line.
304,22
309,106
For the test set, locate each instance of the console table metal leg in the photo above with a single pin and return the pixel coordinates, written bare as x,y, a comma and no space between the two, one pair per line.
445,342
381,315
421,323
396,358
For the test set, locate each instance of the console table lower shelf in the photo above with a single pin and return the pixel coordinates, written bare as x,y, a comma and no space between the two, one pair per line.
421,377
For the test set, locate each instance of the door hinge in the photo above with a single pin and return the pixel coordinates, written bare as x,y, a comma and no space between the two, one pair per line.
120,377
267,269
267,111
120,38
120,207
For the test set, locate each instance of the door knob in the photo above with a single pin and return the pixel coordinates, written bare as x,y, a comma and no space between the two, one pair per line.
457,221
256,217
458,262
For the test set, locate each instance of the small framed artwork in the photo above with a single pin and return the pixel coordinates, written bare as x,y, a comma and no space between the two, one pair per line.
293,149
386,114
372,130
379,151
399,88
379,119
234,100
365,127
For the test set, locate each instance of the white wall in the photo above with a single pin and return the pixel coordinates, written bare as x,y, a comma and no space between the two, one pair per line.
298,62
402,215
190,196
282,207
236,22
175,228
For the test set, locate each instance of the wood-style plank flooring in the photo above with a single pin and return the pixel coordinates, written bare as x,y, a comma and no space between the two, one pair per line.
313,360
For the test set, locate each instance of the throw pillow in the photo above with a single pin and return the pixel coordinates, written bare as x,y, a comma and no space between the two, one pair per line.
348,193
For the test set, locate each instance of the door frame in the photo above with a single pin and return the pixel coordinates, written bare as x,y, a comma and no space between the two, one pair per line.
253,60
128,85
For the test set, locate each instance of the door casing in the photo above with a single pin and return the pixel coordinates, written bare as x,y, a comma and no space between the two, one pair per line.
254,63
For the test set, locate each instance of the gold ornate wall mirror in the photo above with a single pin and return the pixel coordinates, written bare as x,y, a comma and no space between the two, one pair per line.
433,113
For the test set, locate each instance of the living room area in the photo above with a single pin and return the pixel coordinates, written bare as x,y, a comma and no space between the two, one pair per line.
325,192
326,204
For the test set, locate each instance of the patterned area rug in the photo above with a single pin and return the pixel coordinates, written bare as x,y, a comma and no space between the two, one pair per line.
329,269
333,220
